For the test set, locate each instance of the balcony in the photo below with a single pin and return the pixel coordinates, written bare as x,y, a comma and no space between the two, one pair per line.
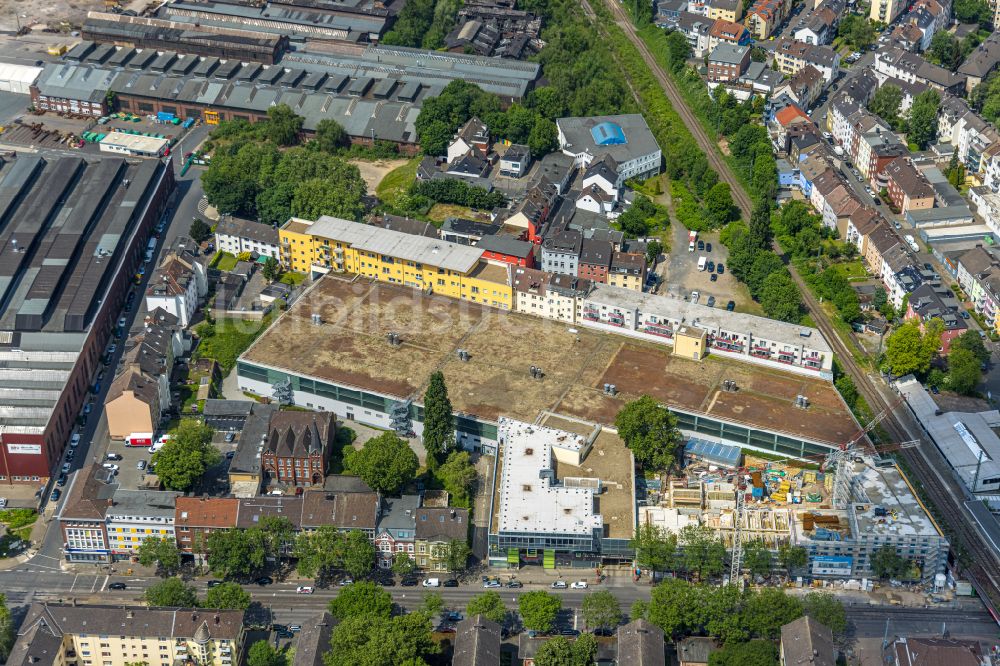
662,331
589,316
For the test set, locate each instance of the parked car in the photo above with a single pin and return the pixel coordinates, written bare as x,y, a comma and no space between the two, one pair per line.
264,580
113,467
56,494
558,585
720,268
121,322
492,583
230,436
88,408
61,481
579,585
294,628
569,631
304,589
701,246
454,616
141,465
432,582
113,348
451,582
3,502
708,247
117,586
113,456
74,441
70,455
928,267
731,305
695,295
344,582
230,455
285,634
710,267
714,277
516,584
214,583
65,468
711,301
409,582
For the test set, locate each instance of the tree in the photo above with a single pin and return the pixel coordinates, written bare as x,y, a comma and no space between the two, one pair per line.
945,49
361,599
236,553
601,610
701,551
358,553
560,651
792,557
432,604
639,610
321,196
199,231
856,31
7,633
974,11
386,463
655,548
538,610
922,124
283,126
827,610
403,564
972,341
543,138
653,250
757,558
182,461
650,431
955,173
672,607
760,225
319,551
963,371
886,103
457,555
905,351
718,203
780,298
765,612
848,391
401,640
160,552
489,605
262,653
458,475
171,592
279,535
439,421
330,135
887,563
227,596
749,653
271,269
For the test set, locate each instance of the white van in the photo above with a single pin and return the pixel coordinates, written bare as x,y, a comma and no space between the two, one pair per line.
432,582
701,263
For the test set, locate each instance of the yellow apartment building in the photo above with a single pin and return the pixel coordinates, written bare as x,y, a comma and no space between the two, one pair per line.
72,635
429,264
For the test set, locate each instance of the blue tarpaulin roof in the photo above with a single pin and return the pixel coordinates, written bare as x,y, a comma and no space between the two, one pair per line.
722,454
608,134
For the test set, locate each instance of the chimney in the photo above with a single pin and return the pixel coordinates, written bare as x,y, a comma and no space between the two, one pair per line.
217,618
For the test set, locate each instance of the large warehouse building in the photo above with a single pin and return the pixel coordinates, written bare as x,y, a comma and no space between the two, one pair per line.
375,93
499,363
72,234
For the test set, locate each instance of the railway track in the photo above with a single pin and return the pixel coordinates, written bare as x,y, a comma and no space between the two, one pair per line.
982,567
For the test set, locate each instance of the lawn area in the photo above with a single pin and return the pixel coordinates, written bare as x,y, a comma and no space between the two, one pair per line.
292,279
228,338
224,261
397,182
439,212
852,270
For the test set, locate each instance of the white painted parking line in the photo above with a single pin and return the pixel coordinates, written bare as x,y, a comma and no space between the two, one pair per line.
71,587
104,584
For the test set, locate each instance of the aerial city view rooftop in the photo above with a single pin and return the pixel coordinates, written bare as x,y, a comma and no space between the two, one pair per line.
542,332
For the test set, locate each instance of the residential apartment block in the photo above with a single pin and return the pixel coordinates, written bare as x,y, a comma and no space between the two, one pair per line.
433,265
979,276
790,56
236,235
94,635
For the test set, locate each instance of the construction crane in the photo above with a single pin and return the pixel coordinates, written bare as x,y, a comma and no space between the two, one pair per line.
735,575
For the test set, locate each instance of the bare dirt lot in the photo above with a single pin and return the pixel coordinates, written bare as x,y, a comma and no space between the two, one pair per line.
374,172
50,12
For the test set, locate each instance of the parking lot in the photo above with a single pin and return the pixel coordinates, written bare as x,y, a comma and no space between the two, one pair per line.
680,275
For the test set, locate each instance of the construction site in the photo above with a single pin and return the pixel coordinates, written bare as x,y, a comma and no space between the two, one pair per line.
838,511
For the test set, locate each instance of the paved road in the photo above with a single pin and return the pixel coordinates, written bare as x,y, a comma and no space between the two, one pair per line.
33,584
